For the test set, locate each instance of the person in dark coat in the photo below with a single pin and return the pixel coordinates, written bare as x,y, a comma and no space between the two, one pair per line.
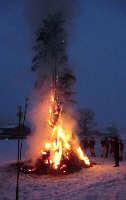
91,146
120,149
111,144
116,151
84,145
105,147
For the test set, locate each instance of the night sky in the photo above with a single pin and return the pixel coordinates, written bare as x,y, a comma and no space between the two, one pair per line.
97,53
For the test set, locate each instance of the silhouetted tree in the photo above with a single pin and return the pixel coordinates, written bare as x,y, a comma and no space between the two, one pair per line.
51,53
113,130
86,120
65,84
51,42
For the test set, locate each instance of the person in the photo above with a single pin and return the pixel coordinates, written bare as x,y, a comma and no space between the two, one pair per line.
91,146
116,151
111,144
105,147
84,145
120,149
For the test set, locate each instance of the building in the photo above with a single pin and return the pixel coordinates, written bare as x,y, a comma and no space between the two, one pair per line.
11,131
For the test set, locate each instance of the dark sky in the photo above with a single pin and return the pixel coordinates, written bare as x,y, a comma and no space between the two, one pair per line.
96,51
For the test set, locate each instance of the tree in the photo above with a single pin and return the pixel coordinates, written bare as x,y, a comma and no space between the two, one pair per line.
51,53
86,120
65,84
113,130
50,42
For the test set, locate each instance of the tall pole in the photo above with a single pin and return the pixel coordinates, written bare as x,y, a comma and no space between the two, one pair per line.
18,163
26,100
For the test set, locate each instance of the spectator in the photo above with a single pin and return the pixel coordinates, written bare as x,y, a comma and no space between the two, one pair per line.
111,144
120,149
91,146
105,147
84,145
116,151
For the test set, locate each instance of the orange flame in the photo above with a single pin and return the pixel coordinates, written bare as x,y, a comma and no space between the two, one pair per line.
59,141
43,152
85,158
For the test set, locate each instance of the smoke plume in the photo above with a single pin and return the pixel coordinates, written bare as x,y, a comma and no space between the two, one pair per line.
37,10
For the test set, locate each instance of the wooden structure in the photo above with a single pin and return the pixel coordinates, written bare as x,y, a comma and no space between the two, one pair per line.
10,131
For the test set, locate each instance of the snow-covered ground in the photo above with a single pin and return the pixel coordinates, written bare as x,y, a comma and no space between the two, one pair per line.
100,182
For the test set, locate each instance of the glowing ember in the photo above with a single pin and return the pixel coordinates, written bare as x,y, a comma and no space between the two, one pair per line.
32,170
43,152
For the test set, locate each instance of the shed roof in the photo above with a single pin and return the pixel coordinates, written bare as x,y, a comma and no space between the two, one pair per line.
104,131
9,126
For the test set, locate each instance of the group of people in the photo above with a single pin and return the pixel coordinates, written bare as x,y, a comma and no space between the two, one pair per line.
116,147
115,144
85,145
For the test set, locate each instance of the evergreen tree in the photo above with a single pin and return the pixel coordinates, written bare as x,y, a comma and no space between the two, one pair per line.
51,43
51,53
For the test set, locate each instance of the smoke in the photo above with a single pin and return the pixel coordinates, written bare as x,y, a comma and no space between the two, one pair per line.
42,133
37,10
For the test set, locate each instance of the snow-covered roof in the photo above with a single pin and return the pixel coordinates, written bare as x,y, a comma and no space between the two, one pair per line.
10,126
104,131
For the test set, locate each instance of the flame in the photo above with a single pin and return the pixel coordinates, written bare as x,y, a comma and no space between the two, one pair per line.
52,98
47,145
57,158
59,144
46,161
32,170
50,110
85,158
43,152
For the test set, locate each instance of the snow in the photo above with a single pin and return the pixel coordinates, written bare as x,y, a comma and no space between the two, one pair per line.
100,182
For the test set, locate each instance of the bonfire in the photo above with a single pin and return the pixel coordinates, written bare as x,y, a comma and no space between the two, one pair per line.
59,155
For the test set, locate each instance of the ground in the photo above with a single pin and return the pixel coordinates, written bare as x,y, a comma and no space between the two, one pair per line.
100,182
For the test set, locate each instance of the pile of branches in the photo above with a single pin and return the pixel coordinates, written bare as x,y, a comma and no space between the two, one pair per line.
43,166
